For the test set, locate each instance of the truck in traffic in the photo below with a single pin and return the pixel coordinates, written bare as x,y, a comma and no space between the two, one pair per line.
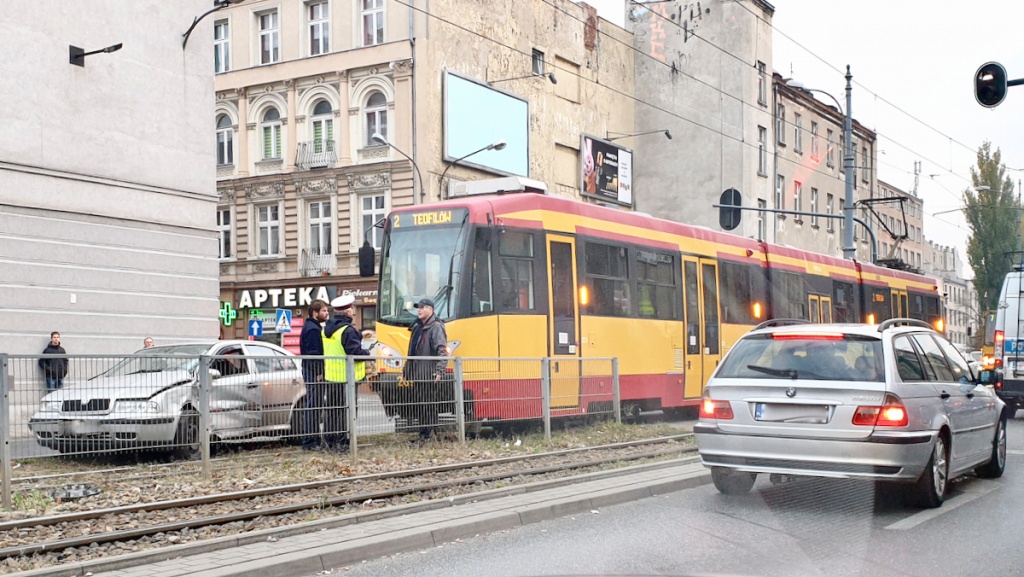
1008,340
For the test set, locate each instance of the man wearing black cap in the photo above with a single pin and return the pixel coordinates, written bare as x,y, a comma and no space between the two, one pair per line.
311,343
340,339
429,339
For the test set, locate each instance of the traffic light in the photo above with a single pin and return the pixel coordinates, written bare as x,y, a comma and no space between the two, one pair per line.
990,84
729,211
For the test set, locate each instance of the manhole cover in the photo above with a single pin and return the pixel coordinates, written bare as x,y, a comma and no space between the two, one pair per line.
74,492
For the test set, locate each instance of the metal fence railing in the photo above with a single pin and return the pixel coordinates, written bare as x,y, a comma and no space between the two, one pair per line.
189,405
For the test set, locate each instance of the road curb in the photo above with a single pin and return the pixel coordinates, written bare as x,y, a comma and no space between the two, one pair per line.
317,558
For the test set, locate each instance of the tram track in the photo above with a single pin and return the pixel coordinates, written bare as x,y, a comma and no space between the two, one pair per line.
48,535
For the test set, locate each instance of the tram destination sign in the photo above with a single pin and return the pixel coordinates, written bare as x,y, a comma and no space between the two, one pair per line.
422,218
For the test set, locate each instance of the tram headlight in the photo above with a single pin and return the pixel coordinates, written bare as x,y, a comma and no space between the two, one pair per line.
384,351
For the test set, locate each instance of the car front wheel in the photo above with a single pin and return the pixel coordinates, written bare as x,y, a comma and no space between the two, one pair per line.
729,482
186,438
930,489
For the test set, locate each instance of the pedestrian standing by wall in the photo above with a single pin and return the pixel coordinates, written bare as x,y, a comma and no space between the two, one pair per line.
340,338
311,343
54,369
147,342
429,339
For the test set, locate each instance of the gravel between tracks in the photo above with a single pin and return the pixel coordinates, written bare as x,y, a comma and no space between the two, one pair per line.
274,466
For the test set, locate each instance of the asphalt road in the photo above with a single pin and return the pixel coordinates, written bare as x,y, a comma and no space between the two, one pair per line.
812,527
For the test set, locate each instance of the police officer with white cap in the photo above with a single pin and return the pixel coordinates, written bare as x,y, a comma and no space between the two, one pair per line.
340,339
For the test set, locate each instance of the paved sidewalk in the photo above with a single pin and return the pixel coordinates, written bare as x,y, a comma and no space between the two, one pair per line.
330,543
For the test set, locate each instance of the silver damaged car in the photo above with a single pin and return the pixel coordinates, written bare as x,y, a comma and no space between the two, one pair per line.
150,400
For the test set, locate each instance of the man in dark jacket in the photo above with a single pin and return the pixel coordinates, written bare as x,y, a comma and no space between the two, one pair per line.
340,339
54,369
311,343
429,339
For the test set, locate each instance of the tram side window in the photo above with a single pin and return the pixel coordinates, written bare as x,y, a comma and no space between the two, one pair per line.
917,307
739,283
517,280
842,302
607,271
482,293
789,296
657,294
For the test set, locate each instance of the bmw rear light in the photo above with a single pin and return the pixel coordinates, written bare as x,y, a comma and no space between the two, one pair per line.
891,413
712,409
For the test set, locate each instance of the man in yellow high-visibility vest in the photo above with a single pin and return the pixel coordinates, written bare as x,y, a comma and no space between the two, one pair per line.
340,339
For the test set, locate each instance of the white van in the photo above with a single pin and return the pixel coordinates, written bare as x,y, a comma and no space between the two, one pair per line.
1009,341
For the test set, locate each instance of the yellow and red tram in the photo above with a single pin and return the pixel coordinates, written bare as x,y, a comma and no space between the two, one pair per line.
530,275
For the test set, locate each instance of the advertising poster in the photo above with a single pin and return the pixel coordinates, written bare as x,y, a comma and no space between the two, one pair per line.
606,171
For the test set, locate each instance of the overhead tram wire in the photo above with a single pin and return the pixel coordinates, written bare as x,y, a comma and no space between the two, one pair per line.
635,98
833,67
640,100
866,88
785,122
596,83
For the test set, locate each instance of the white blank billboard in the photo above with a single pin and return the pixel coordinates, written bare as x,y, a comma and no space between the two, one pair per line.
476,115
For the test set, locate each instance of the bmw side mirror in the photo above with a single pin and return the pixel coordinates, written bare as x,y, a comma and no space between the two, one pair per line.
990,377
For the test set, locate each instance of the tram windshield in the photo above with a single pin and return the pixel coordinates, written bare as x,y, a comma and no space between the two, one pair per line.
422,258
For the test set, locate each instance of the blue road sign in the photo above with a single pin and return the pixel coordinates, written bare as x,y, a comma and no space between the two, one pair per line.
255,328
284,321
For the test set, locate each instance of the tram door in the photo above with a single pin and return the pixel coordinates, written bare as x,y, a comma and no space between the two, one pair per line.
899,303
819,308
703,325
563,323
826,309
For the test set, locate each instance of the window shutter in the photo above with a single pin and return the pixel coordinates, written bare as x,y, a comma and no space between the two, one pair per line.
277,142
318,136
266,143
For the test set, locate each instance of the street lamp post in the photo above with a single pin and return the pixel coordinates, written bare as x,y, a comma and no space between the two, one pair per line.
849,248
498,145
376,137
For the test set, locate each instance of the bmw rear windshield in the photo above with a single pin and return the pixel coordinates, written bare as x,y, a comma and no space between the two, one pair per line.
829,357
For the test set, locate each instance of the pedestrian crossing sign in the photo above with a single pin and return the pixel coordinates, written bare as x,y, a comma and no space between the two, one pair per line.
284,321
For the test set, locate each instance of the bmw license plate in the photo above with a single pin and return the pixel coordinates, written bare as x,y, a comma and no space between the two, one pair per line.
790,413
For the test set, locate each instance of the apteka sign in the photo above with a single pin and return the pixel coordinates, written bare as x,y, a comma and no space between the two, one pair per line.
282,297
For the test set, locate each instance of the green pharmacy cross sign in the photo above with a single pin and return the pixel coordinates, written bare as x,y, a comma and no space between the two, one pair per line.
227,314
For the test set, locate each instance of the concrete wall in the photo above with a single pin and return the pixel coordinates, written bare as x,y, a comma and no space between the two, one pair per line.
696,68
106,176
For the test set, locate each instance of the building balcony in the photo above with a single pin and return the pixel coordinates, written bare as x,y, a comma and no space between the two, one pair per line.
316,154
316,262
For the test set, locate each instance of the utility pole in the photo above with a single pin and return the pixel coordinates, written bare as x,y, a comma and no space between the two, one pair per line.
849,249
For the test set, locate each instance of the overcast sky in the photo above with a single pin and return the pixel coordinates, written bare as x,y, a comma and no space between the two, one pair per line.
910,59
